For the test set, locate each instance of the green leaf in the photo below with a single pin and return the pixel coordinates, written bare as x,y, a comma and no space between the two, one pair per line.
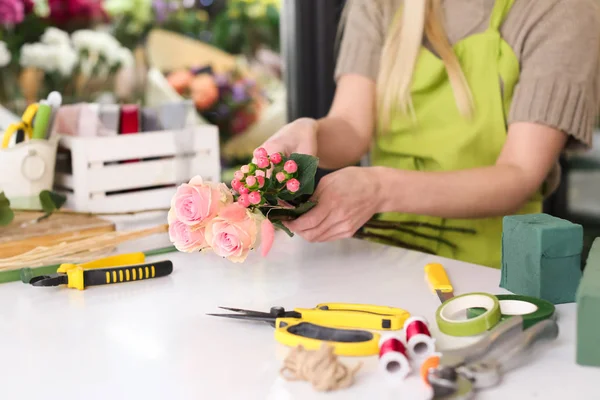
51,201
280,225
271,199
6,214
307,169
4,202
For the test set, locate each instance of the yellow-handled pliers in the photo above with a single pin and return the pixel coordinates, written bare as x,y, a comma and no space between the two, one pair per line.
114,269
25,125
348,327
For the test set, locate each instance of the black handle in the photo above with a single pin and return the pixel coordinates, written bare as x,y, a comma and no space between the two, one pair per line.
129,273
318,332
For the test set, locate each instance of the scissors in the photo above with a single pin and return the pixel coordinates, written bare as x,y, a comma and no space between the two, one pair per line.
348,327
25,125
479,366
104,271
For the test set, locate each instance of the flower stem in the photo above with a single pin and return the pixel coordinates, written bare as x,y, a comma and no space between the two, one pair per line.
416,234
391,241
379,224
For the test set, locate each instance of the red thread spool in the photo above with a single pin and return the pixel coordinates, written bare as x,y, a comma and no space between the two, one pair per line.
418,339
393,359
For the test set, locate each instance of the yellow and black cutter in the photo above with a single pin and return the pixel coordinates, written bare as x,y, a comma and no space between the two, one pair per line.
92,274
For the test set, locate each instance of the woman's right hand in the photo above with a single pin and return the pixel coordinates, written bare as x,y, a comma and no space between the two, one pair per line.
299,136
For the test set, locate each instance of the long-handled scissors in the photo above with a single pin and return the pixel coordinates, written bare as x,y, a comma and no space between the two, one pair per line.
348,327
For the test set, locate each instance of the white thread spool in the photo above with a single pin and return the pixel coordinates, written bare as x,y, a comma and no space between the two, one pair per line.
419,341
393,359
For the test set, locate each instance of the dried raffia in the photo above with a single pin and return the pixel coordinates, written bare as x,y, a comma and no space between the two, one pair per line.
321,368
83,249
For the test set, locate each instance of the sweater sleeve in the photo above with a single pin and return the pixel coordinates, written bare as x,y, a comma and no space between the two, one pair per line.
362,39
559,82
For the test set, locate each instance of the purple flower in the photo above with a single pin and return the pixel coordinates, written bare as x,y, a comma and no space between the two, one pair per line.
11,12
238,93
220,80
161,9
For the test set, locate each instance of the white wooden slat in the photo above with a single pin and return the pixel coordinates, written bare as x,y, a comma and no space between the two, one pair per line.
138,175
134,201
149,145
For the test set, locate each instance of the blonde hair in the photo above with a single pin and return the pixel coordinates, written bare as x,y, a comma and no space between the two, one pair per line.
402,46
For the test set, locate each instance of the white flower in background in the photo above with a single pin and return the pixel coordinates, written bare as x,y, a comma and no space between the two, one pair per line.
55,36
66,60
125,57
38,55
97,43
5,56
41,8
108,47
85,39
49,58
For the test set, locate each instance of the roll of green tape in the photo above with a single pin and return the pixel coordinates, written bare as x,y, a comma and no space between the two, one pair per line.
445,315
532,309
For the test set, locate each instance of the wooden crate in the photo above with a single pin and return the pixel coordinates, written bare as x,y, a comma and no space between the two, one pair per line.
136,172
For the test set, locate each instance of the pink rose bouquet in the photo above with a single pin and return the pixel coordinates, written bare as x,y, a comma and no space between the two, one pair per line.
231,222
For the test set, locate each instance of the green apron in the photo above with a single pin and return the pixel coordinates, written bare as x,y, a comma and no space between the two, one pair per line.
441,139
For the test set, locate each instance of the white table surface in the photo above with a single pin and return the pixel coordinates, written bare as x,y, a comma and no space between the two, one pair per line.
152,339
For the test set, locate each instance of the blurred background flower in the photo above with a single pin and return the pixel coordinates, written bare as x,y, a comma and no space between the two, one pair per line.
72,14
11,12
232,101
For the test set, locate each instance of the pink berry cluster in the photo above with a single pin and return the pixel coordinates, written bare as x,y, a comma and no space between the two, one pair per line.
249,181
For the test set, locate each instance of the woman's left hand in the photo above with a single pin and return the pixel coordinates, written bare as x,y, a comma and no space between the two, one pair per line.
346,199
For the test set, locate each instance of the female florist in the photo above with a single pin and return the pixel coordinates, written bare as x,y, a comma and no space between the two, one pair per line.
165,231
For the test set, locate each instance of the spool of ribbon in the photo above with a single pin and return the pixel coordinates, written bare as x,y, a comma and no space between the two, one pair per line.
446,314
393,358
418,338
532,309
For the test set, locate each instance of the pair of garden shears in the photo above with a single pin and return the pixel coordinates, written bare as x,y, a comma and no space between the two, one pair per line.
114,269
348,327
458,374
25,125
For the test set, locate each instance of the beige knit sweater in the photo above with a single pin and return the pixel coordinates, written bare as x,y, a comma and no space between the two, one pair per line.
557,42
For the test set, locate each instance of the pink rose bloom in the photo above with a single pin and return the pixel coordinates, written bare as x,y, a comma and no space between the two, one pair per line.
197,202
186,238
12,12
267,236
234,233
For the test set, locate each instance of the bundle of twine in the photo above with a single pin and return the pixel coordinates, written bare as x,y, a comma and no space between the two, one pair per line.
321,368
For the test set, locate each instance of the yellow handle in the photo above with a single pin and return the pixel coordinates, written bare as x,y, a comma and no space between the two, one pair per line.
10,131
76,278
363,316
350,342
26,124
112,261
436,275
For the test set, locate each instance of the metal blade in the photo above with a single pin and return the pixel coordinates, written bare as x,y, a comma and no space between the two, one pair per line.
268,320
50,280
248,312
443,296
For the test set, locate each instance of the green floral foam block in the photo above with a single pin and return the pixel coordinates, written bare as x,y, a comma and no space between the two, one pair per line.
541,257
588,306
